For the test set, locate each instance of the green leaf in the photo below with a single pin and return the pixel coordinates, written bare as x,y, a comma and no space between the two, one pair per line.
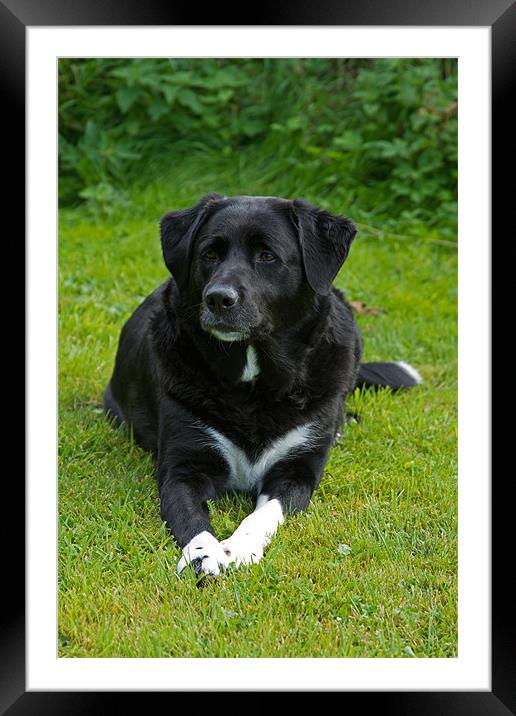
126,97
348,140
170,93
295,123
252,127
189,99
157,108
225,95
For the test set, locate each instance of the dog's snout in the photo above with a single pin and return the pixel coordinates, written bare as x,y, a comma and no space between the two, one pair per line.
220,298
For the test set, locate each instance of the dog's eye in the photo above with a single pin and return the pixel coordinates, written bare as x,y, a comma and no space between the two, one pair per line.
266,256
210,255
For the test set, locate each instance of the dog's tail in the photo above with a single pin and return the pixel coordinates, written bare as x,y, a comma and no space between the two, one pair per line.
387,375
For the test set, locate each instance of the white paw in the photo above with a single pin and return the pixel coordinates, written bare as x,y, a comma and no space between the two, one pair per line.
246,544
243,548
206,555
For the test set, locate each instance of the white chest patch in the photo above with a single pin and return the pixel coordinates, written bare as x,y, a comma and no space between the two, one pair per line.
251,368
248,476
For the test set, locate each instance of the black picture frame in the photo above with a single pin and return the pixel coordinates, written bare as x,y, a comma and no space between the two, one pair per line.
500,16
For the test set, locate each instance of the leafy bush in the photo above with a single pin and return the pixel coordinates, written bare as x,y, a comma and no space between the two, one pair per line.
115,115
397,139
384,131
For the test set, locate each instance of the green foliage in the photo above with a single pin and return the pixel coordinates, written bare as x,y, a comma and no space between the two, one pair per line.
400,138
382,133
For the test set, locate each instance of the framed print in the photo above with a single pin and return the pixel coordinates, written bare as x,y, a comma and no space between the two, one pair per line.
44,669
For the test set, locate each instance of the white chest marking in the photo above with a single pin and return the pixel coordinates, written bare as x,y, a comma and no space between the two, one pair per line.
251,368
248,476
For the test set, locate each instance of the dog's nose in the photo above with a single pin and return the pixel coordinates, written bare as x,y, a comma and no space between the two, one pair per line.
220,298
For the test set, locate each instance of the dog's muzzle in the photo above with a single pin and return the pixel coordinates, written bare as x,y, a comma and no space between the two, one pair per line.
221,314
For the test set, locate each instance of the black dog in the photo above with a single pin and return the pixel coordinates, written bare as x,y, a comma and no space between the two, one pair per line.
233,372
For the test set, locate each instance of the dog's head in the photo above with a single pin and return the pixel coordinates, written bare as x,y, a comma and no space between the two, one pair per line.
247,262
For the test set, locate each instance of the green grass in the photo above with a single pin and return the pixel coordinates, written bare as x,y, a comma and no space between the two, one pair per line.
369,570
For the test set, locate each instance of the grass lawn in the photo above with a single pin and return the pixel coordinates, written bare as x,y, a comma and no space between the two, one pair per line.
369,570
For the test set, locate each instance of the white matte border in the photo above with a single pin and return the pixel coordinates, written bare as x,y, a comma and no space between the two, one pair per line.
471,670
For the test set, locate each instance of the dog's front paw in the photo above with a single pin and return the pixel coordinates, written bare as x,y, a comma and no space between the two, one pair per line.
243,548
206,555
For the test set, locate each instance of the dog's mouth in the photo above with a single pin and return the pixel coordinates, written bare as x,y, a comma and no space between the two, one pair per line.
242,325
224,331
228,335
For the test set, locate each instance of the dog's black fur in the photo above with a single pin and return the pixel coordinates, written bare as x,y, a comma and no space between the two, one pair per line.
260,268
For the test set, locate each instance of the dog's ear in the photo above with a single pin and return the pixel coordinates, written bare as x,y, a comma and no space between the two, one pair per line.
178,230
325,240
